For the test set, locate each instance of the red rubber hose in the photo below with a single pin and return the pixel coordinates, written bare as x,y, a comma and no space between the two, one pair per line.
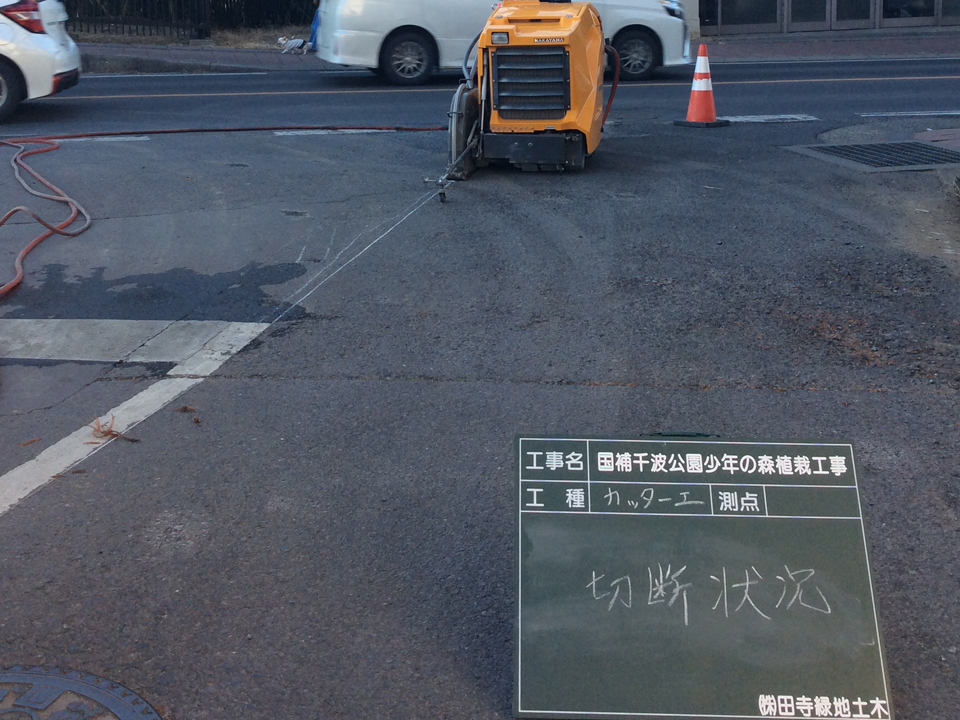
58,196
49,144
616,81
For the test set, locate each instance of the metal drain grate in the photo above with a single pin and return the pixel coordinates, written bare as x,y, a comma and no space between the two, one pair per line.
880,157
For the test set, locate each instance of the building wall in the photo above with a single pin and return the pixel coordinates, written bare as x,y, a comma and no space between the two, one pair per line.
733,16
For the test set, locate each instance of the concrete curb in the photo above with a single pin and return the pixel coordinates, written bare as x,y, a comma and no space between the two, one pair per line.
118,65
132,59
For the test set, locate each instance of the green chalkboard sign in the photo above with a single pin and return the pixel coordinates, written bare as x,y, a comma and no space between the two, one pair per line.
693,579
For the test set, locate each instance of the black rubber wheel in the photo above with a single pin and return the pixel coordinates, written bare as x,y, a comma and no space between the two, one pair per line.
407,58
639,53
11,90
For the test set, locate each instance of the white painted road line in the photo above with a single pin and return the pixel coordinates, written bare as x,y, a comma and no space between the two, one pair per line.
106,340
344,131
768,118
60,457
834,61
117,138
138,76
918,113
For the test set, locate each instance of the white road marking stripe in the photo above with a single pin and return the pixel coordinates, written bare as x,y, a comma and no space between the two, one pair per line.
918,113
345,131
73,449
106,340
845,61
227,343
118,138
65,454
769,118
130,76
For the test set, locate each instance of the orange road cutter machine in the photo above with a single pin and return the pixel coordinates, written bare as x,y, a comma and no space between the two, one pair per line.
534,94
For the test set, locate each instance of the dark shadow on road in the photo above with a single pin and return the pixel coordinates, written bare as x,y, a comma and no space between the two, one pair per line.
178,294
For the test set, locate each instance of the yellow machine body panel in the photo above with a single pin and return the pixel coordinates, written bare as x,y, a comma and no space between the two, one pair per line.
540,69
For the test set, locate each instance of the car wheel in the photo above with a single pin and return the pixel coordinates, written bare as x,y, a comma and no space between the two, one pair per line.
11,90
639,53
407,59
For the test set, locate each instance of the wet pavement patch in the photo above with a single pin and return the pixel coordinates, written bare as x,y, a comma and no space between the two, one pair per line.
40,693
177,294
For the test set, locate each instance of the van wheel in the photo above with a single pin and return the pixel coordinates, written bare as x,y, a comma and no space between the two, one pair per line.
639,52
11,90
407,58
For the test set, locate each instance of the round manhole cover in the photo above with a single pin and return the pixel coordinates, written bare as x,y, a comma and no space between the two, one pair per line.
39,693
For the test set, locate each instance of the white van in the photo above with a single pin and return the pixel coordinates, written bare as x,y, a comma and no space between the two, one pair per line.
406,40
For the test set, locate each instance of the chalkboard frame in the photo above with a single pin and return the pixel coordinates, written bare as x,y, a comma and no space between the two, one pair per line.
883,712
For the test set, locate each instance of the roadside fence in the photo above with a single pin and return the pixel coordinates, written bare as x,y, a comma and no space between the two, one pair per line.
182,19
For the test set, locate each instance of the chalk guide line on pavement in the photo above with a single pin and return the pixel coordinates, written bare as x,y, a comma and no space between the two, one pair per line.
318,279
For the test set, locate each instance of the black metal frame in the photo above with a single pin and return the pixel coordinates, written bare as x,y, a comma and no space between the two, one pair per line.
182,19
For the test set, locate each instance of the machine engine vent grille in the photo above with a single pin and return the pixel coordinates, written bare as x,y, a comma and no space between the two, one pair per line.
531,83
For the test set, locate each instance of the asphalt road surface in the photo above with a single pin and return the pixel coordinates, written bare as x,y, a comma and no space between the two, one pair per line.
325,529
828,90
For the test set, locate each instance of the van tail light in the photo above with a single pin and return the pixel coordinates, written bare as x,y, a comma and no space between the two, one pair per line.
25,13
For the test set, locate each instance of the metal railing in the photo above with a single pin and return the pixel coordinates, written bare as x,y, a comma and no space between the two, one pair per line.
260,13
182,19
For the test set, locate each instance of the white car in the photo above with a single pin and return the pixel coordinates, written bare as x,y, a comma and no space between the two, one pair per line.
37,57
405,40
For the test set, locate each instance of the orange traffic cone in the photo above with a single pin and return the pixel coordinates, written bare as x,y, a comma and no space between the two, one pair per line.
701,111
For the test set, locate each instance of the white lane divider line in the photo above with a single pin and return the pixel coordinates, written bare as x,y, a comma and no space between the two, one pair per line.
65,454
916,113
109,138
769,118
138,76
106,340
344,131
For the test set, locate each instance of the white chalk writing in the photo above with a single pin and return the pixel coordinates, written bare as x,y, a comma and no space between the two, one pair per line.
736,592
